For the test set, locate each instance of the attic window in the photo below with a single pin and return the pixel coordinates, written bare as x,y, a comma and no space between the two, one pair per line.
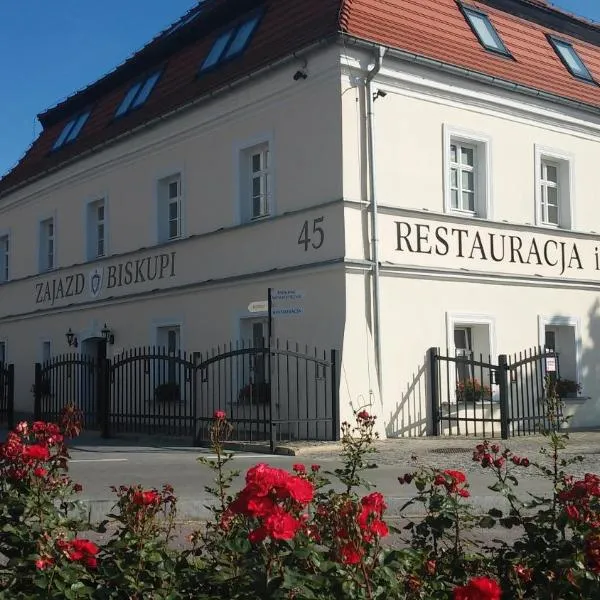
71,130
568,55
138,94
192,16
484,30
230,43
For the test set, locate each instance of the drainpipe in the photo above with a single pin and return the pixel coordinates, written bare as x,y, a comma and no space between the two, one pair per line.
374,215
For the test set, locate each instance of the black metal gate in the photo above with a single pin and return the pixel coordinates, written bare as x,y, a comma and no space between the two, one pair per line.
268,393
490,398
7,395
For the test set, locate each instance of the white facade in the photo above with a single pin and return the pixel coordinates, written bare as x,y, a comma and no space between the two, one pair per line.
169,234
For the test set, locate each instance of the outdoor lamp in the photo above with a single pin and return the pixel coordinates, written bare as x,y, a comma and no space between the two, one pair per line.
108,335
71,339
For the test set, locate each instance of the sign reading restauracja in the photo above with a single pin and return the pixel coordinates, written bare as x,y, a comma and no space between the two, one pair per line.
489,248
94,282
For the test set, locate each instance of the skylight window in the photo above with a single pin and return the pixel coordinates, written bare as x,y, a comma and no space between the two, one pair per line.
230,43
568,55
484,30
188,19
138,94
71,130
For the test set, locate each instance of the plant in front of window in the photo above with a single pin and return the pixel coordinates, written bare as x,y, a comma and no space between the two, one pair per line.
472,390
167,392
567,388
255,393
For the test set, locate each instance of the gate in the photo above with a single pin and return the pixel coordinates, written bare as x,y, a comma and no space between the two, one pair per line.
69,378
490,398
7,395
268,393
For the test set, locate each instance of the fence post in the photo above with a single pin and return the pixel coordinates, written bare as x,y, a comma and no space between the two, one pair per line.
104,395
37,393
434,390
335,399
503,387
10,408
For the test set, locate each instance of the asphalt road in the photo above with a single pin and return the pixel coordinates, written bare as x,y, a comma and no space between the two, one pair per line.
99,467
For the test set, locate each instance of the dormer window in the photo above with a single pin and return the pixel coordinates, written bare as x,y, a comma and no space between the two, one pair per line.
484,30
138,94
230,43
71,130
569,57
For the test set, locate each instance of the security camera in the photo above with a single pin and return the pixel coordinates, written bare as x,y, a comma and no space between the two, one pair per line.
379,94
300,75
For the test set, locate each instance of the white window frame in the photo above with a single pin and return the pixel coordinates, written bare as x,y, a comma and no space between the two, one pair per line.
482,166
5,256
43,266
91,227
566,187
166,323
163,203
563,321
243,152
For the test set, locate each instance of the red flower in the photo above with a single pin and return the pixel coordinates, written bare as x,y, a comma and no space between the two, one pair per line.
456,476
43,562
299,468
430,566
379,528
145,498
315,468
464,493
592,552
300,490
350,554
35,452
257,535
525,462
40,472
260,506
572,512
525,574
280,525
363,415
80,550
499,462
478,588
439,480
220,415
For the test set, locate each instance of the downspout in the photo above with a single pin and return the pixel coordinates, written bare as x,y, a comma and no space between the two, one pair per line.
370,122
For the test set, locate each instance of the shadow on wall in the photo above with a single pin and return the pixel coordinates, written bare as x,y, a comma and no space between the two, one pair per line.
410,417
586,410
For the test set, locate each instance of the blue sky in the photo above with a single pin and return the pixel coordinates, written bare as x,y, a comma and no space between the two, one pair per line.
49,49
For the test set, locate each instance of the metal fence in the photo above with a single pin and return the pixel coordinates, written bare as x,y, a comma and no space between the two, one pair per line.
283,392
480,396
7,394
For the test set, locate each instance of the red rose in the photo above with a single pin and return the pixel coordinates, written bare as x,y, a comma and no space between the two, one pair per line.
439,480
499,462
464,493
299,468
39,427
220,415
315,468
525,462
280,525
478,588
36,452
374,501
260,506
456,476
430,566
40,472
525,574
379,528
363,415
592,552
300,490
572,512
43,562
145,498
257,535
77,488
350,554
495,448
516,459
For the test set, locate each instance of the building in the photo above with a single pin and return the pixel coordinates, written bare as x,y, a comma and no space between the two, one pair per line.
417,173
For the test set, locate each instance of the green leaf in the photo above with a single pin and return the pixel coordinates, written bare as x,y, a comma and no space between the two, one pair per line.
487,522
495,512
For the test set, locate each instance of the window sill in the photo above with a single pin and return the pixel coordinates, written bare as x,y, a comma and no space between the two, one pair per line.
465,213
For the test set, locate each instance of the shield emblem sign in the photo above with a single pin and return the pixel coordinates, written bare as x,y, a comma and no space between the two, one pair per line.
96,278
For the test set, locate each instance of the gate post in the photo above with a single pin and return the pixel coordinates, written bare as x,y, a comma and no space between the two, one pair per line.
104,395
37,393
10,408
434,390
335,399
503,387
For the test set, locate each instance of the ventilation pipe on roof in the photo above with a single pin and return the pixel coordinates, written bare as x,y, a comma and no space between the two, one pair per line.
370,130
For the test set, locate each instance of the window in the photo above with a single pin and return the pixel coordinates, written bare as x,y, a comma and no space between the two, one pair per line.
484,30
191,16
47,245
71,130
230,43
553,189
4,258
169,208
96,229
562,334
467,173
169,339
569,57
138,94
255,182
46,351
463,342
3,355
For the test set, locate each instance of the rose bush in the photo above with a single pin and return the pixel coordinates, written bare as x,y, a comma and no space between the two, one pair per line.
293,535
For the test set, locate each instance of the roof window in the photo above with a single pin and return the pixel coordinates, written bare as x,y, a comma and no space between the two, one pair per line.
568,55
138,94
484,30
71,130
191,16
230,43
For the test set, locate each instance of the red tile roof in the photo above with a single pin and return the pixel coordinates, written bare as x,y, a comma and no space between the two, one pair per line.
434,29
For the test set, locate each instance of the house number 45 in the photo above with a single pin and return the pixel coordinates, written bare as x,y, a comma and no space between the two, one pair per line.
314,238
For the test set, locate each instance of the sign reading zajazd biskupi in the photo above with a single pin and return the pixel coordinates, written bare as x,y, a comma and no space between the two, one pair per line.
94,282
484,248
